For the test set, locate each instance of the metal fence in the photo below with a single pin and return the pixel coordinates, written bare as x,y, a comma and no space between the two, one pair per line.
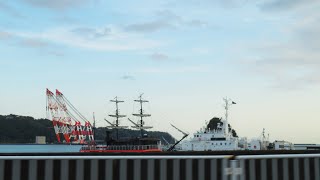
113,167
158,167
279,167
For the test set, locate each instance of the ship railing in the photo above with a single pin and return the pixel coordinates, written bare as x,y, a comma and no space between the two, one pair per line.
131,147
121,147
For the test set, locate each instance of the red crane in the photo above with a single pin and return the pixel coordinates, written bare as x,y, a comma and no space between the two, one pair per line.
52,110
67,119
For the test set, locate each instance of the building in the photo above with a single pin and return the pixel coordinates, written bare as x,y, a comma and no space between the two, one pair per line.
40,140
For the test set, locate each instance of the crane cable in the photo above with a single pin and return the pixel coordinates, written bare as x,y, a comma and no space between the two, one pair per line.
67,111
72,107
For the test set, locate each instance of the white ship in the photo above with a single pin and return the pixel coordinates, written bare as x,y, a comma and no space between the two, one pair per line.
222,139
213,139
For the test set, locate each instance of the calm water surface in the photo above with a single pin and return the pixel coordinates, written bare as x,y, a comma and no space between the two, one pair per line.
34,148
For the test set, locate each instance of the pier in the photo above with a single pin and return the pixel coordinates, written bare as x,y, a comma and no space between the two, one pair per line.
287,165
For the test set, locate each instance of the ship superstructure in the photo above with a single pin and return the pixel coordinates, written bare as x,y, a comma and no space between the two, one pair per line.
217,139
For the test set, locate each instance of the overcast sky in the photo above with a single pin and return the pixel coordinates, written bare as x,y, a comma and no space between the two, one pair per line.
185,56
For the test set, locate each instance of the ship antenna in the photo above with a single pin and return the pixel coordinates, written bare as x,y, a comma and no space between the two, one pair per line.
263,139
227,105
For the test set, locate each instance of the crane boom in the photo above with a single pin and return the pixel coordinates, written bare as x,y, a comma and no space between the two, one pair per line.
66,119
184,133
184,136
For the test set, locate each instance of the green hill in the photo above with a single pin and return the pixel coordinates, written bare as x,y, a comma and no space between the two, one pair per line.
24,129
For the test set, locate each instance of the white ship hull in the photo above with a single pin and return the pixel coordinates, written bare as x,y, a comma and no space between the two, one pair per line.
210,145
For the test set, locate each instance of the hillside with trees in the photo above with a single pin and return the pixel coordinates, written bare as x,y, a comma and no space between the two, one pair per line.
24,129
213,124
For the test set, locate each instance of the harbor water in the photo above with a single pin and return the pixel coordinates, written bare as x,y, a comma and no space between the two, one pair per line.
38,148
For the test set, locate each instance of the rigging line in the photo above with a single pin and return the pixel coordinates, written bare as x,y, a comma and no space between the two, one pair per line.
69,113
133,109
150,111
71,106
77,112
74,110
110,112
72,116
75,117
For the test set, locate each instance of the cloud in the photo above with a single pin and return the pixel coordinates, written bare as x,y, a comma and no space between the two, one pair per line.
180,69
204,4
5,35
38,44
298,83
56,53
9,10
278,5
102,39
33,43
56,4
291,62
92,32
65,19
201,50
168,15
287,66
127,77
165,19
149,26
233,3
159,56
197,23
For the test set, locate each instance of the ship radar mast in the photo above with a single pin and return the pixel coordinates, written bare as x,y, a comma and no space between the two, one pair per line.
228,103
117,115
140,123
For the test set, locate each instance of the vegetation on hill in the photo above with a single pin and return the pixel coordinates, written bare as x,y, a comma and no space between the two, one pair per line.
213,124
24,129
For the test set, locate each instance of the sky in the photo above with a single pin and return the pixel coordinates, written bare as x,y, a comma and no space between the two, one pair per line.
185,56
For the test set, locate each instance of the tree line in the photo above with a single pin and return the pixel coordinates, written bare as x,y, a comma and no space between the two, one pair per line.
24,129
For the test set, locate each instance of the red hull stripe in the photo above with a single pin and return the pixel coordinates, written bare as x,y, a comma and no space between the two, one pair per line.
149,150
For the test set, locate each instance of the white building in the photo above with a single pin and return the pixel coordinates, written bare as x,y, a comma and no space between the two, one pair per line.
40,140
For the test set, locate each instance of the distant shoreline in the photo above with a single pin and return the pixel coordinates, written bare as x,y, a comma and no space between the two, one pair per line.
38,144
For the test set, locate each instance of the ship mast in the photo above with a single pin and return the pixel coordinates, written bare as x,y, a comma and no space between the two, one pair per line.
226,106
117,115
140,123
